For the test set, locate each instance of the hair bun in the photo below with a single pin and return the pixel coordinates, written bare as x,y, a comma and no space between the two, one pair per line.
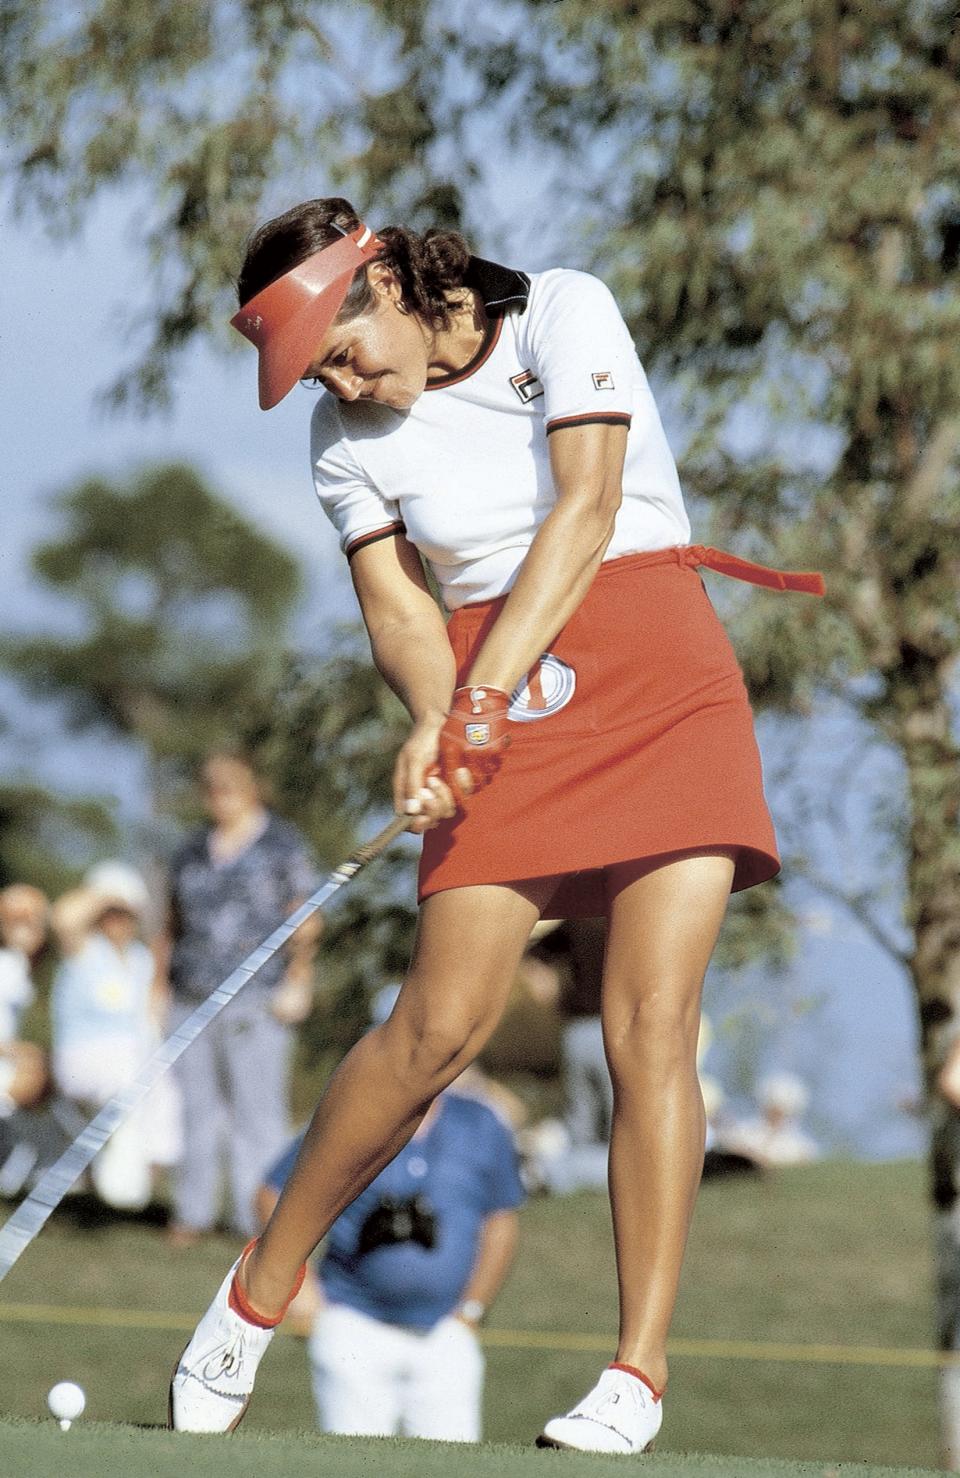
427,267
447,255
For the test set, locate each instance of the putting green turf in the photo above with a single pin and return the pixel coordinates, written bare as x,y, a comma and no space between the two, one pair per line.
101,1451
803,1333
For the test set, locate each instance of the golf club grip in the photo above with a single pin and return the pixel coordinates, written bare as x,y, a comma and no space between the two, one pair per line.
33,1212
367,851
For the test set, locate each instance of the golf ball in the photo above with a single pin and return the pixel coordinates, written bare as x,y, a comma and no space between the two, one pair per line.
66,1400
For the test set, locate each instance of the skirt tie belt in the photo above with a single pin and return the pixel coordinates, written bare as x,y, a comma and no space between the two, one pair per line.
810,582
692,556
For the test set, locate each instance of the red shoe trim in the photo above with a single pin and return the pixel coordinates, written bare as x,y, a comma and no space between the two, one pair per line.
639,1375
240,1304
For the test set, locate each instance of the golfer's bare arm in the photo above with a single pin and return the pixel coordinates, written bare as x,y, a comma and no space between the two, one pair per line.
408,633
566,553
411,650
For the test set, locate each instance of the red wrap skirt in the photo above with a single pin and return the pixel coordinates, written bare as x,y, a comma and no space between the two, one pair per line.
633,738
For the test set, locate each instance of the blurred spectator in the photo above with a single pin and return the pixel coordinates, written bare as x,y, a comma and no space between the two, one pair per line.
714,1097
571,1154
408,1273
950,1416
23,932
775,1136
473,1082
717,1159
231,884
948,1086
948,1081
525,1044
105,1023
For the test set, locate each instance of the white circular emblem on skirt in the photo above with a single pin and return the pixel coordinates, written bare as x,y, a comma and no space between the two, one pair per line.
546,689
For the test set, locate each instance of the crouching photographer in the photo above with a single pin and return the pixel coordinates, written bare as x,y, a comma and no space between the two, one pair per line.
407,1274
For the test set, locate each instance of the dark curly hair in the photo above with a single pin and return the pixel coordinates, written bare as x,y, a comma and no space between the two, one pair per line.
427,266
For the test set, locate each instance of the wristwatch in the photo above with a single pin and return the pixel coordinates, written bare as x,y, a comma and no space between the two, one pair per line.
472,1311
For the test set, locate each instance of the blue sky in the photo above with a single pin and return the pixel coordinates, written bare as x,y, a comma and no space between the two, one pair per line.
63,341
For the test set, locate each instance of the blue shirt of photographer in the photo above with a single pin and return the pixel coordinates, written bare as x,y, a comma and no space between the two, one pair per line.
465,1166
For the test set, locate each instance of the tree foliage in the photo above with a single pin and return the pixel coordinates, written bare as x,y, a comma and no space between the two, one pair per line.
180,609
206,106
326,735
771,187
180,613
47,839
174,610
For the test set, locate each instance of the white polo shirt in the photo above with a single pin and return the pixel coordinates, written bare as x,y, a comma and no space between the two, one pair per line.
465,472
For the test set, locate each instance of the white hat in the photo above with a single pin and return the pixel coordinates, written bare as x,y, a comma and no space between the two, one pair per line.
704,1038
713,1095
383,1003
784,1091
120,883
542,928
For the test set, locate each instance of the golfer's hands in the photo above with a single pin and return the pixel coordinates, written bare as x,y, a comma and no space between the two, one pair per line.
418,791
448,757
474,736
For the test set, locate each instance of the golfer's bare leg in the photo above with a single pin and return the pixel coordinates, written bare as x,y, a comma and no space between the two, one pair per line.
468,947
663,927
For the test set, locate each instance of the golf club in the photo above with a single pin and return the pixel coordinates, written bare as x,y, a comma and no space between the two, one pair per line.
31,1215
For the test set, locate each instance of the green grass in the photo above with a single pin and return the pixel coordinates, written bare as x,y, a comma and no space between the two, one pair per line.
101,1451
831,1255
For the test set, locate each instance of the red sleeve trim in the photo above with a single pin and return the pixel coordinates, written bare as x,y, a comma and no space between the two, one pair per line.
592,418
362,540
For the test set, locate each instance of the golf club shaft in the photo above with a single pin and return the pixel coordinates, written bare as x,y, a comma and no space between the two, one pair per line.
31,1215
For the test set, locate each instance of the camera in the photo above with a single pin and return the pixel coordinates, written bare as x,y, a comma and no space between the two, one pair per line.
398,1219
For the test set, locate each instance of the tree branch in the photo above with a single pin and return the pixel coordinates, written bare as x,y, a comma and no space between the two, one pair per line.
855,904
324,44
920,493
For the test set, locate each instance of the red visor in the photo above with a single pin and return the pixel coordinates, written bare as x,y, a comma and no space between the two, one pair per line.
288,319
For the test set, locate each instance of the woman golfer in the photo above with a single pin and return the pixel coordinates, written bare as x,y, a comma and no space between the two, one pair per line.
581,739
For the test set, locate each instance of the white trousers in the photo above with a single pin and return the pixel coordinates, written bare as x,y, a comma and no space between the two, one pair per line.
372,1379
950,1417
90,1073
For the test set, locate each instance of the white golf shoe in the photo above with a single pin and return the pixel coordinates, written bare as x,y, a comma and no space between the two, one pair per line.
213,1381
621,1414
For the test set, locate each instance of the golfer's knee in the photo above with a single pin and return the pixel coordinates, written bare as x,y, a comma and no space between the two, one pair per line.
431,1052
652,1038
